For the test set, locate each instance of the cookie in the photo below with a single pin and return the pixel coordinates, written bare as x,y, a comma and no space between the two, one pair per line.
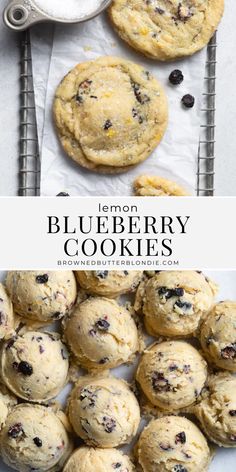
7,320
34,439
35,365
101,334
173,302
110,114
109,283
7,402
172,374
218,336
42,296
155,186
88,459
217,412
103,411
172,444
166,30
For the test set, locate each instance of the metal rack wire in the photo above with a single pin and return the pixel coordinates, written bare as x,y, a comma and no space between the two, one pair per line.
29,172
29,162
206,150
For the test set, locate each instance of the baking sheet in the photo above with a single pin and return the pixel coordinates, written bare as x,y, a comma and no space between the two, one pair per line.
225,459
174,158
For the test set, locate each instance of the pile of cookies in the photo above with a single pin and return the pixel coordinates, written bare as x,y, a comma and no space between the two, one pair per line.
99,331
111,113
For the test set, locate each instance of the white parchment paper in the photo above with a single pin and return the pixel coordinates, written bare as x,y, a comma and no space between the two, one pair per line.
174,158
224,459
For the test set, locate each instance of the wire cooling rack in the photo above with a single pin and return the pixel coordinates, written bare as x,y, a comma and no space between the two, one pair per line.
29,159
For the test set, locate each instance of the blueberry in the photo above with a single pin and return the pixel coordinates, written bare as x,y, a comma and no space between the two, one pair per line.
232,412
37,442
16,430
185,305
179,468
25,368
109,424
63,194
107,124
176,77
102,324
180,438
41,279
229,352
188,101
102,274
159,383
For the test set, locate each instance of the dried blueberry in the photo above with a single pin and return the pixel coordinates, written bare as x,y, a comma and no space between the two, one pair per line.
25,368
176,77
102,274
102,324
180,438
104,360
41,349
184,305
37,442
135,114
173,367
109,424
126,272
170,292
16,430
229,352
159,383
117,465
63,194
79,98
41,279
89,396
140,97
179,468
107,124
188,100
232,412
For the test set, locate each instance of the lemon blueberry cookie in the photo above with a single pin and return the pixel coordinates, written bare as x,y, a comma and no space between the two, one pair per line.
34,438
172,444
166,30
6,314
101,334
103,411
110,114
35,365
109,283
155,186
172,374
89,459
218,335
42,296
217,412
173,302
